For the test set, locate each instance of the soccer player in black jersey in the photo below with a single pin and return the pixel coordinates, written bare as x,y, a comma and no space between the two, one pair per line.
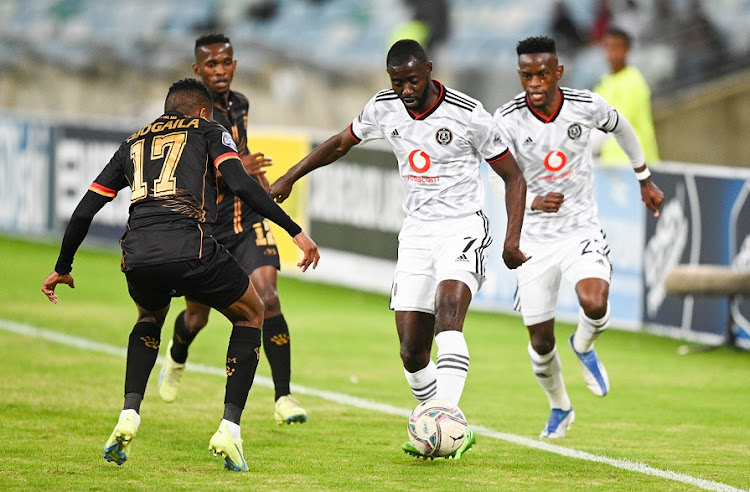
170,166
244,233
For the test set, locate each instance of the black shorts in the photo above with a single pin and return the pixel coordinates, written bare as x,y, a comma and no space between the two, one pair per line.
254,248
216,280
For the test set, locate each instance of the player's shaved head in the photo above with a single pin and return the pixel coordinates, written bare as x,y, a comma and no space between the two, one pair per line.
536,44
403,51
209,39
188,96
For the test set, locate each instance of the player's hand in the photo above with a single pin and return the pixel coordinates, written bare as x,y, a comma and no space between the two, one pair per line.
254,163
514,257
551,202
651,195
309,249
54,278
280,190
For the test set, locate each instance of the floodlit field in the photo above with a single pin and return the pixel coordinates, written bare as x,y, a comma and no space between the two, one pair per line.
687,417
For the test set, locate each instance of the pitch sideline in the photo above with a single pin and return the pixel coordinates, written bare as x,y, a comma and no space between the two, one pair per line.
344,399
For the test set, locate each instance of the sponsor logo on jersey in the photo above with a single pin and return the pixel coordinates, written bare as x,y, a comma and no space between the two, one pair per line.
574,131
528,141
462,258
444,136
555,160
226,139
394,133
419,161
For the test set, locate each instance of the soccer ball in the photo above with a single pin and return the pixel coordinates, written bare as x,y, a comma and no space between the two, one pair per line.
437,428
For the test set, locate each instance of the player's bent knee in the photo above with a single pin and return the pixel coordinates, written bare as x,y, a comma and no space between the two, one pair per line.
271,303
413,358
594,306
542,346
194,322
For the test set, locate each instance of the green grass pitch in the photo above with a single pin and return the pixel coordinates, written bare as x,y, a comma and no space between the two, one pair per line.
58,403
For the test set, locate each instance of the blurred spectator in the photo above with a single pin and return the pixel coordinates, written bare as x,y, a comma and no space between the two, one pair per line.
564,30
632,20
665,26
627,91
263,10
602,20
702,49
429,24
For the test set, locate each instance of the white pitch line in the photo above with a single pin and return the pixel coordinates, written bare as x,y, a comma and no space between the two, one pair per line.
353,401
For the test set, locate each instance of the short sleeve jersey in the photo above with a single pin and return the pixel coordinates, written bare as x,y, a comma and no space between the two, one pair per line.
438,151
170,167
555,155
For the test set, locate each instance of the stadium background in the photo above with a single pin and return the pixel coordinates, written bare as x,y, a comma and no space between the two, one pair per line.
80,75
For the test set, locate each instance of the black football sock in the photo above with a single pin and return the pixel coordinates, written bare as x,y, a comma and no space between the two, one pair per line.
242,361
133,401
143,347
181,340
277,348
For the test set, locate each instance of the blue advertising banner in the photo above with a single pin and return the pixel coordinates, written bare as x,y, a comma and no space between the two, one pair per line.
81,152
25,175
739,244
702,222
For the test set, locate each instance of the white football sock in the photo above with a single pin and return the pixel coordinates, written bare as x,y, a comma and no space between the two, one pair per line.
423,383
588,331
234,429
547,369
452,365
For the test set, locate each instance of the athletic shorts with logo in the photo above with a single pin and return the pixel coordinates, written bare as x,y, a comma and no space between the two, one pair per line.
431,251
583,254
216,279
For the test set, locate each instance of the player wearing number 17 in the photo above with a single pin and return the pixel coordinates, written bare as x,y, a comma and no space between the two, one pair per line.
548,129
170,166
439,137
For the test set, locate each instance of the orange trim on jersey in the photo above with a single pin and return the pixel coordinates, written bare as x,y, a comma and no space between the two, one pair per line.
200,249
499,157
238,216
225,157
102,190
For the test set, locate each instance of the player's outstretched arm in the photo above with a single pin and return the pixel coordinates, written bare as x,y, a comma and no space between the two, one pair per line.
75,233
322,155
515,201
651,195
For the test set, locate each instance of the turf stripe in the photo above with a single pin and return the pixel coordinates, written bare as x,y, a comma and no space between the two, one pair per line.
344,399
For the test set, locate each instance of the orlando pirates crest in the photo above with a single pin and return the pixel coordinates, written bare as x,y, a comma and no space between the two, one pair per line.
444,136
574,131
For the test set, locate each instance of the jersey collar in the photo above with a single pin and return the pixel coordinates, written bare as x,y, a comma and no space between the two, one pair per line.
433,108
541,117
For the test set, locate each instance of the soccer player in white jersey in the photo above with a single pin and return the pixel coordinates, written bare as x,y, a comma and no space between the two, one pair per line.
547,128
439,137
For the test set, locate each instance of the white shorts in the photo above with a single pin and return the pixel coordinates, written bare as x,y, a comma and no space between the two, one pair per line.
432,251
583,254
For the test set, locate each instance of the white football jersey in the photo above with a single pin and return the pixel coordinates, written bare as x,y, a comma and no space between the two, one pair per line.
555,156
438,151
